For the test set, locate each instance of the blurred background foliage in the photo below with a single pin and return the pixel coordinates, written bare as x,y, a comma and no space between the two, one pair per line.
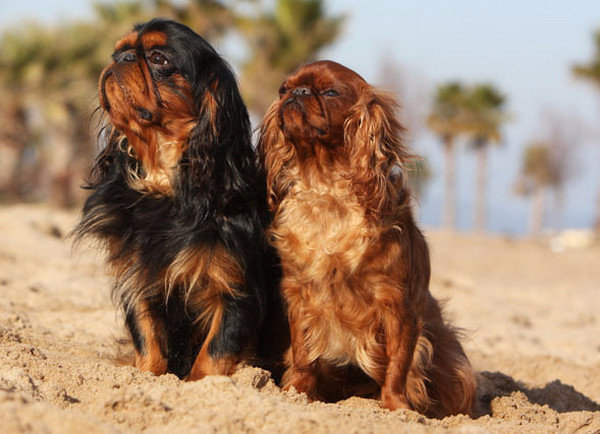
49,74
279,41
48,86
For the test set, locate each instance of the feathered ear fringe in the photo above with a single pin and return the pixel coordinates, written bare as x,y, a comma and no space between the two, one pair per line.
275,155
219,159
110,143
373,136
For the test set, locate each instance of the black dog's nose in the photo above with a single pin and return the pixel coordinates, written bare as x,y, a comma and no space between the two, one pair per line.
125,56
302,91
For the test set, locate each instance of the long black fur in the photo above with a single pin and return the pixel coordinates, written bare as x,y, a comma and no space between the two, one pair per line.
219,198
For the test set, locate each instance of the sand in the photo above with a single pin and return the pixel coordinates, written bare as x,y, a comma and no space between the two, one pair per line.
530,320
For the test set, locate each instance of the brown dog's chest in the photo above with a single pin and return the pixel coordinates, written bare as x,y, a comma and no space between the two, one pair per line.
323,237
340,323
321,234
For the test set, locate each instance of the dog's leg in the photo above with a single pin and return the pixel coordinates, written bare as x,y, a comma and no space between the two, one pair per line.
301,372
232,324
146,333
211,362
400,329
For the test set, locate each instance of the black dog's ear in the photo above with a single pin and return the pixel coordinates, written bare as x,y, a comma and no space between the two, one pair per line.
113,150
220,149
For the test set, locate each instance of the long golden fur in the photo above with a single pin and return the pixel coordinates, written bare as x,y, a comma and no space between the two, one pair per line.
356,267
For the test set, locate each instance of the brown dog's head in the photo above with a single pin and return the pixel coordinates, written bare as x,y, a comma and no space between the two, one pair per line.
314,103
172,97
328,114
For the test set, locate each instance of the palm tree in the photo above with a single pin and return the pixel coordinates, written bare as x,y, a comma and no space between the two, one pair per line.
15,138
279,41
50,69
591,72
562,133
21,57
447,120
536,176
484,117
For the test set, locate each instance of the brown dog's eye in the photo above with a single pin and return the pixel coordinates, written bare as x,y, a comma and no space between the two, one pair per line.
282,90
158,59
331,92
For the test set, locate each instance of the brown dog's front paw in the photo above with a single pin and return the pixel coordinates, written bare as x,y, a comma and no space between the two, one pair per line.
394,401
303,382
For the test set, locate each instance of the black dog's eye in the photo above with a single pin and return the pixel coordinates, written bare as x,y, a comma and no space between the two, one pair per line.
158,58
331,92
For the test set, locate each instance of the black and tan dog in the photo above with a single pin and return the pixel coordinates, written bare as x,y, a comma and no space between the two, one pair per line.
177,201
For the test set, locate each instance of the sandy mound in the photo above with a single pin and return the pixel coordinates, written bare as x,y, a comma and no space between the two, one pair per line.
530,320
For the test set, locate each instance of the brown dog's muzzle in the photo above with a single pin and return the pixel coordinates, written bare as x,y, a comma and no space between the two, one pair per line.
292,102
297,99
301,114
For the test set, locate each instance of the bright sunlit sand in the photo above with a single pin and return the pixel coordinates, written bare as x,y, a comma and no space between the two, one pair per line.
530,320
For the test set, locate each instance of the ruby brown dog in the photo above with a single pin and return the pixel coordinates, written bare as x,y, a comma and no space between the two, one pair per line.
356,267
179,205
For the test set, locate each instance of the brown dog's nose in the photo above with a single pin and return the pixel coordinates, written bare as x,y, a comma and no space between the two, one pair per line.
302,91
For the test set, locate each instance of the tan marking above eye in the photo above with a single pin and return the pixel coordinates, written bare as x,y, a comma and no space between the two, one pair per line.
149,40
128,40
154,39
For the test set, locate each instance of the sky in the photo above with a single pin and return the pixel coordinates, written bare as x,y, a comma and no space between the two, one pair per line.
525,48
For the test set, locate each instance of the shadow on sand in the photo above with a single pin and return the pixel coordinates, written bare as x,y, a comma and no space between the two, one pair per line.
562,398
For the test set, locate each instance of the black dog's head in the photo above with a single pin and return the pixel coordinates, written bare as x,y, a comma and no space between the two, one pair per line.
174,107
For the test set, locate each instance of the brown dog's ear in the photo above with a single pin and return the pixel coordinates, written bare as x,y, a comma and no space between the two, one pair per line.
274,155
373,136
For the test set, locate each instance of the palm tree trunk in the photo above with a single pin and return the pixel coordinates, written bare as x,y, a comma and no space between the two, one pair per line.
19,138
538,207
596,227
597,222
559,208
480,209
449,213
